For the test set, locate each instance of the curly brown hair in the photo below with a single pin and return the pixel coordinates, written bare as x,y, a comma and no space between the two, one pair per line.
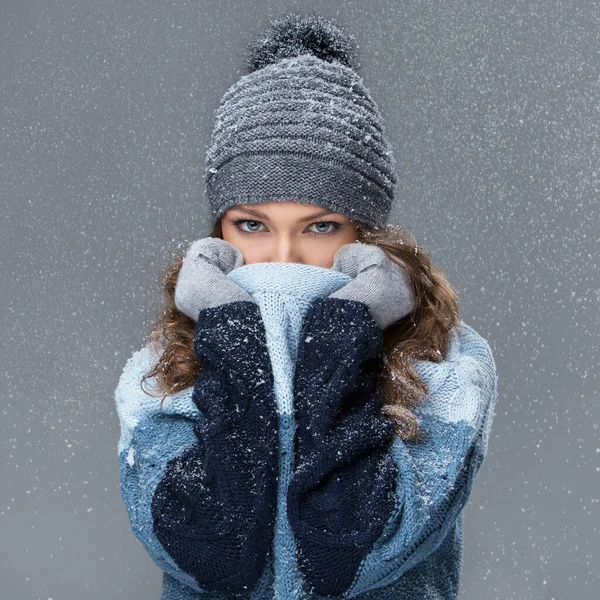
424,334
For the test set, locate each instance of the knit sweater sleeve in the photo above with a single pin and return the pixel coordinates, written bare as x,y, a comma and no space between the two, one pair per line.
364,505
198,476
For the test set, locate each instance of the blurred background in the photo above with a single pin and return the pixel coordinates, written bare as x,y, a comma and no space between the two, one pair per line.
493,112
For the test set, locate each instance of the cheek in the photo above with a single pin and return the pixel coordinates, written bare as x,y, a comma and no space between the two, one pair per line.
232,235
227,232
347,237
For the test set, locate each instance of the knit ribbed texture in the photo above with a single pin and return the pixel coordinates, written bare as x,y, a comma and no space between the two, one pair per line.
342,491
418,553
213,510
301,128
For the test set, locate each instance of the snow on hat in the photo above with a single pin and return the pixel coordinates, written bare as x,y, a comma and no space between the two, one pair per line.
301,126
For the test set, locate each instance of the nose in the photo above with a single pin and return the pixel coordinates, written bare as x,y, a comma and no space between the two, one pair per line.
285,251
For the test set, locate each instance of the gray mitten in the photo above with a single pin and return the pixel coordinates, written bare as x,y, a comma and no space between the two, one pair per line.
378,282
203,281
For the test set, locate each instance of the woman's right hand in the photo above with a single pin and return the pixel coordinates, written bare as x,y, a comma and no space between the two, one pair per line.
203,281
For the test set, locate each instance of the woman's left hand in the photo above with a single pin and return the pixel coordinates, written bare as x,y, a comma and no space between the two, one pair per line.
378,282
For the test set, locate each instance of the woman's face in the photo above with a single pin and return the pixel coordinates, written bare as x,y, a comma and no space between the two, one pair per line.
287,232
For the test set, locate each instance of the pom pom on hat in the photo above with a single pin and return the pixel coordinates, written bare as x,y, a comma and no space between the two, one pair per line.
301,126
296,34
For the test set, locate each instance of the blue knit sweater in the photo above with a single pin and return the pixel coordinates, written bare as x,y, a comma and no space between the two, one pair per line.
277,476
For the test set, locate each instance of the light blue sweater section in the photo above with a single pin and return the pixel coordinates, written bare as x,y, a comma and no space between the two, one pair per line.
419,555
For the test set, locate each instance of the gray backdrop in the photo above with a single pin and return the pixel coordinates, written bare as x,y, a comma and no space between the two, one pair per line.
493,112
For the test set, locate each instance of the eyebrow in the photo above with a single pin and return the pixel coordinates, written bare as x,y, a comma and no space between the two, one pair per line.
257,213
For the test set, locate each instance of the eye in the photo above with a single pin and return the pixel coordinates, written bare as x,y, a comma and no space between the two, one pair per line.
335,226
254,227
238,222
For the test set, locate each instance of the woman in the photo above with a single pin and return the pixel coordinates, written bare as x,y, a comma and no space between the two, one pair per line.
323,410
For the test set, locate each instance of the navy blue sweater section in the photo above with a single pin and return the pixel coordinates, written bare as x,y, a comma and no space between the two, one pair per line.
343,489
213,511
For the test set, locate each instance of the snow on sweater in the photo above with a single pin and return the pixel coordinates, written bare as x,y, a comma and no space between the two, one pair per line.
277,477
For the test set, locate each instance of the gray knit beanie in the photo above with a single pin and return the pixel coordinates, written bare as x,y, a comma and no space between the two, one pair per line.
301,126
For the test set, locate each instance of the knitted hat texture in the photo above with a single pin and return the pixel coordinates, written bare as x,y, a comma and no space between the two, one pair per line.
301,126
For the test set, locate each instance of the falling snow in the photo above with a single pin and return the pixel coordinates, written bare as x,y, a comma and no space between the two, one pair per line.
492,110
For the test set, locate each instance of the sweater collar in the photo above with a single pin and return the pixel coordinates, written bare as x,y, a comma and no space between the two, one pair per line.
296,279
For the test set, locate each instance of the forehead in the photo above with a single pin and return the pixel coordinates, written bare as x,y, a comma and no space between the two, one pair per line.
284,210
